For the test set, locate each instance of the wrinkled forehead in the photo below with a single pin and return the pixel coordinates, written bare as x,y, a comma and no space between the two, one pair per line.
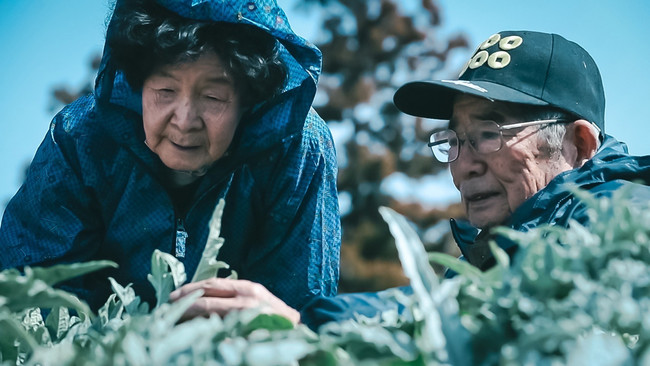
469,110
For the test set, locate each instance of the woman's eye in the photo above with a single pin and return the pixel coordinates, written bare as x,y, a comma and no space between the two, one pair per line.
215,98
164,93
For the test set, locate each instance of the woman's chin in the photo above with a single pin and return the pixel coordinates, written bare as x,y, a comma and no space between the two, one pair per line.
184,167
191,171
183,174
182,178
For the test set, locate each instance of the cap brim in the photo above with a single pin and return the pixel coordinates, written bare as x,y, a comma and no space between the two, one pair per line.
434,99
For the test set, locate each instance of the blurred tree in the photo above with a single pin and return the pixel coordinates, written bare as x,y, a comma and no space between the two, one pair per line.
371,47
63,95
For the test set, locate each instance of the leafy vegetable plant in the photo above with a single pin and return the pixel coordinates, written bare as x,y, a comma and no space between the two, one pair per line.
569,296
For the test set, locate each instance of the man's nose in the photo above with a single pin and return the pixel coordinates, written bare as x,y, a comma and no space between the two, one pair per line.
186,115
469,162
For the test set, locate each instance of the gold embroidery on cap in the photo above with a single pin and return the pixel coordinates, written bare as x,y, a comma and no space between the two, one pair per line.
494,39
479,59
498,60
510,43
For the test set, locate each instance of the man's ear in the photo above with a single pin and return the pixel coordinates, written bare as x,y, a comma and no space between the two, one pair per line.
585,140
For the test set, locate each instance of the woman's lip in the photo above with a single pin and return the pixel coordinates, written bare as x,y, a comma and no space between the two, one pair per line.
182,147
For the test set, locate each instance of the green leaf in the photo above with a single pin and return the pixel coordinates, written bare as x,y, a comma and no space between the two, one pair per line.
112,309
128,297
62,272
167,274
269,322
58,322
33,288
168,314
13,331
600,349
436,304
277,352
422,277
233,275
193,336
135,349
176,267
371,341
209,266
459,266
502,258
319,358
27,292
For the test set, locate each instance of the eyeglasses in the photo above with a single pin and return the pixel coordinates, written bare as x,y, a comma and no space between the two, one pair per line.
486,138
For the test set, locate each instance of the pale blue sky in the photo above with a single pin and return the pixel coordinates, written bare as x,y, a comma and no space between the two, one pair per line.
47,43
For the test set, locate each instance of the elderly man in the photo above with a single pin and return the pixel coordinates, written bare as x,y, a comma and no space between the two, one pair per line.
526,123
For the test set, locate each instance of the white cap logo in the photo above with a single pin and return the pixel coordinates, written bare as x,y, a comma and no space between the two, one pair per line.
467,84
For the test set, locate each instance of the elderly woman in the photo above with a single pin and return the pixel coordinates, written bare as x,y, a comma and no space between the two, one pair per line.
194,101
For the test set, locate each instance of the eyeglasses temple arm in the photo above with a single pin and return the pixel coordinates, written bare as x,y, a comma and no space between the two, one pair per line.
531,123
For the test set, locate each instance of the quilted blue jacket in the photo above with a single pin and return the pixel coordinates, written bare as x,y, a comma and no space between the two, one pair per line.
94,191
609,170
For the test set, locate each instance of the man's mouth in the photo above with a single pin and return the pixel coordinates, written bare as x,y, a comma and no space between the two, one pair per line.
479,197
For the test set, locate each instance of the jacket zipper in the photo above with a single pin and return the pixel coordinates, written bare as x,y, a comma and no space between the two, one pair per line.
181,238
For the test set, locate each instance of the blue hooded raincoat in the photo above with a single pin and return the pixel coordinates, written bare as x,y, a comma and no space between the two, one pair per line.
94,190
612,168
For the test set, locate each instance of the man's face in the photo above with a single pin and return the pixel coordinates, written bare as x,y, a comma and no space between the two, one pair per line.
493,185
190,113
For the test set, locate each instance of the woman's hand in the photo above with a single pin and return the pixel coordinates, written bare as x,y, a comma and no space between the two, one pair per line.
222,295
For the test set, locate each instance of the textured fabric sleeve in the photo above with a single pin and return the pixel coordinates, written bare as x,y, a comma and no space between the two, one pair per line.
322,310
298,254
51,218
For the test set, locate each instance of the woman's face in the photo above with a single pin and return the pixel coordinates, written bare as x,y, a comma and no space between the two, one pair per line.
190,112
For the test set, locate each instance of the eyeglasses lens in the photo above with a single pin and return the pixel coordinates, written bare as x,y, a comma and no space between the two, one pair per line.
485,138
444,145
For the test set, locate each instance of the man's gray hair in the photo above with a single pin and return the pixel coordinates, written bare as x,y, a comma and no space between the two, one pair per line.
551,136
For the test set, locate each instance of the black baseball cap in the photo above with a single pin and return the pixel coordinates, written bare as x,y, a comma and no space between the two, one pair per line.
520,67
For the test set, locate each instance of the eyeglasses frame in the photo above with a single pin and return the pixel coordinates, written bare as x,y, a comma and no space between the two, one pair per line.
511,126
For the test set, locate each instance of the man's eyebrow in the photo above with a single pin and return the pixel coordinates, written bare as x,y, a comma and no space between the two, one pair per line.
491,115
452,124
